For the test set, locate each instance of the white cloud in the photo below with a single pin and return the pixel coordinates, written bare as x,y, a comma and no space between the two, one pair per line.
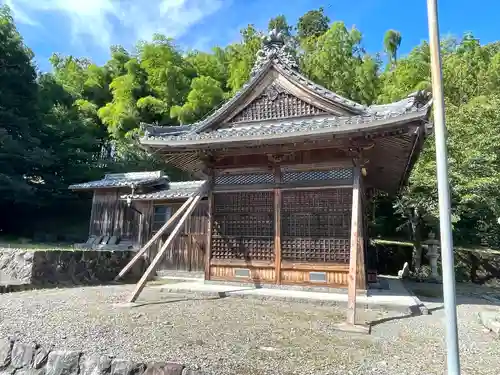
105,22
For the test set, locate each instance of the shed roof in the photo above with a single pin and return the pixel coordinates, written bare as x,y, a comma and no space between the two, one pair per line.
118,180
173,190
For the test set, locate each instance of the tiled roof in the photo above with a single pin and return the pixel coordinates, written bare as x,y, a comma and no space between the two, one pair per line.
291,73
275,57
374,116
174,190
117,180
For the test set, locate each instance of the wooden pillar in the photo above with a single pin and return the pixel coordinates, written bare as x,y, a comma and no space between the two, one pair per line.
210,226
277,226
355,245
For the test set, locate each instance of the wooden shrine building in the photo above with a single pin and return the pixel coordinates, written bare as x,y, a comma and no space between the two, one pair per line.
289,166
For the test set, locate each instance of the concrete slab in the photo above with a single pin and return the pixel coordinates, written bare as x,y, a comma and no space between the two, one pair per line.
353,328
396,298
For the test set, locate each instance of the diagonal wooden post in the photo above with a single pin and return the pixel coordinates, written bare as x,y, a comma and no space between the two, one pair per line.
142,282
157,235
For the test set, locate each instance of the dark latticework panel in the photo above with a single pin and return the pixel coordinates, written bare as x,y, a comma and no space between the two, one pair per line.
316,225
245,179
332,174
284,105
243,226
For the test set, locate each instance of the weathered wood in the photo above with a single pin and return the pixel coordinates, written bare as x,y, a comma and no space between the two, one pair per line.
208,247
142,282
277,226
361,268
354,245
314,266
242,263
323,157
157,235
299,185
187,252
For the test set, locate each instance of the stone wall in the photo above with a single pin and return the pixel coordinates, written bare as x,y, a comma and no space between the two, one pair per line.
18,358
45,268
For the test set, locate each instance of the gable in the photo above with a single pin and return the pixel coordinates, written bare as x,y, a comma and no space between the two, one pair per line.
275,103
275,93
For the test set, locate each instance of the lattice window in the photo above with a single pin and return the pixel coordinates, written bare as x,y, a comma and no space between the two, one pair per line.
332,174
245,179
282,106
316,225
243,226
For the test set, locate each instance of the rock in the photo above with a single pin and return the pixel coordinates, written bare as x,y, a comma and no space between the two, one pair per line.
5,352
8,371
191,372
123,367
41,357
95,365
491,321
22,355
63,363
173,369
30,371
164,369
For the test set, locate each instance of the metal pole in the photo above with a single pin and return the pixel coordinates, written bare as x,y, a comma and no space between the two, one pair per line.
444,193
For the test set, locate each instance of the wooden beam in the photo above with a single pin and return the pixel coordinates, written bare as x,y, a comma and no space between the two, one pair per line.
158,234
353,259
361,284
277,226
142,282
210,226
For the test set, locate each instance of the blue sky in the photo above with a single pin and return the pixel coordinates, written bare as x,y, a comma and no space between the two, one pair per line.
86,28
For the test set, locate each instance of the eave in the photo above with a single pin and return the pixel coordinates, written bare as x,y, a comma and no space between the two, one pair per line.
287,131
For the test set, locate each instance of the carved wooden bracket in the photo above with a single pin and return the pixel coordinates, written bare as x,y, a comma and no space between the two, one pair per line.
208,157
280,158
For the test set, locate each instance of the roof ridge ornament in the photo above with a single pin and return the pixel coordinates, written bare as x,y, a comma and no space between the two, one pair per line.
274,47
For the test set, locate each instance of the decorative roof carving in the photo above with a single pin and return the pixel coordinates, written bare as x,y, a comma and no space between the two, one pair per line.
272,91
275,103
274,47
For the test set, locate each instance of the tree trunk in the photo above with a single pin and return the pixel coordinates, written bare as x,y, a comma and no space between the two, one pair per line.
417,240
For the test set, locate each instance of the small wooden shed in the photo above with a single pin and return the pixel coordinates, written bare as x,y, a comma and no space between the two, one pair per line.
128,209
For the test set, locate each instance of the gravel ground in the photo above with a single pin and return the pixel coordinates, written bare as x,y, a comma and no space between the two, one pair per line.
243,336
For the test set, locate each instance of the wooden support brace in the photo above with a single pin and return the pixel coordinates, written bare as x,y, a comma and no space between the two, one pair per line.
142,282
355,248
157,235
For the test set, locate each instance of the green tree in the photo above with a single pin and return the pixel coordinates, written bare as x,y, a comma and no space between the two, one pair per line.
392,41
242,56
205,95
338,62
313,23
21,154
281,25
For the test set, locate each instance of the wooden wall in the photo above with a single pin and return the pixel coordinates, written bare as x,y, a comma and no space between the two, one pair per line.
281,234
187,253
111,216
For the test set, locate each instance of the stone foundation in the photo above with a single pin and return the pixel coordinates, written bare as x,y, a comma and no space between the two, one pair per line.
17,358
21,268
